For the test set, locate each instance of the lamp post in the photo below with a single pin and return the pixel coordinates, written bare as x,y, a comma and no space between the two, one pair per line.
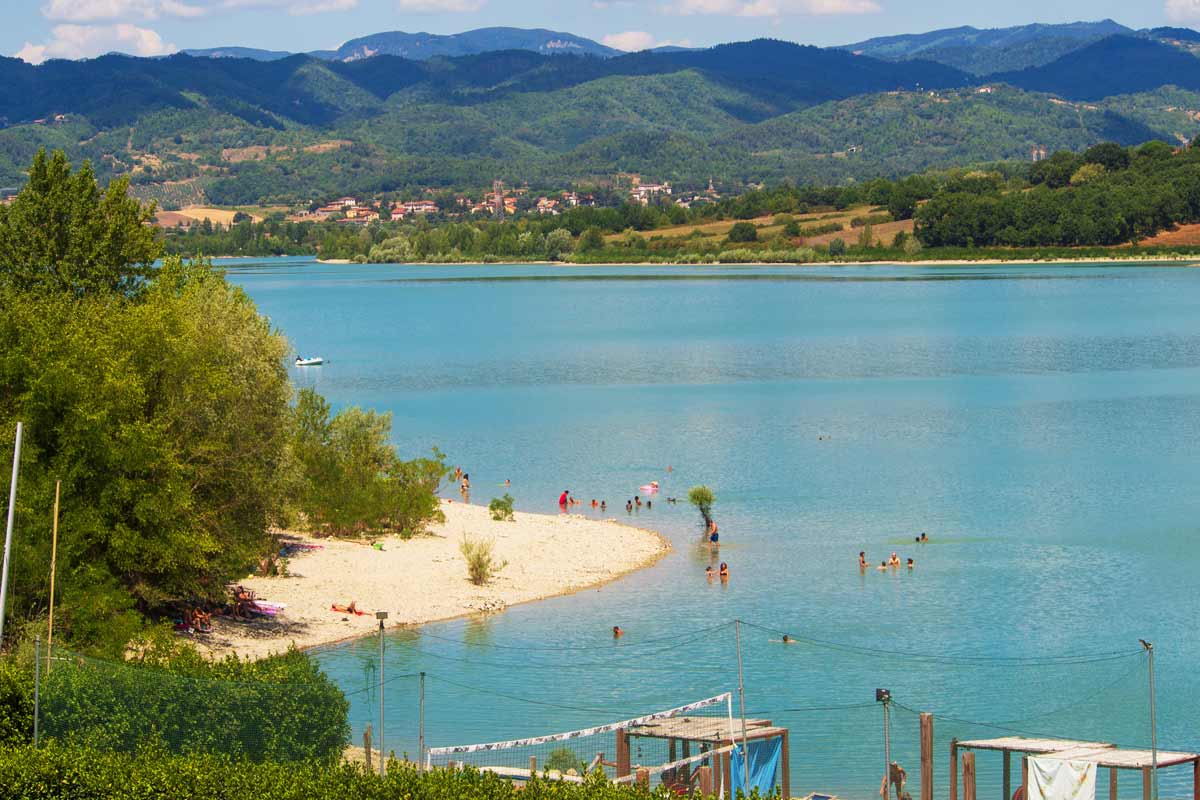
381,616
1149,647
885,696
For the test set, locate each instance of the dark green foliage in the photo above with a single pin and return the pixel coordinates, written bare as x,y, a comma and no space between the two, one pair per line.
743,232
352,480
62,234
279,709
1105,206
1056,171
837,247
702,498
62,773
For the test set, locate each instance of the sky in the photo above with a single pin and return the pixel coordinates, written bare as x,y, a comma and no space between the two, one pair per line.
36,30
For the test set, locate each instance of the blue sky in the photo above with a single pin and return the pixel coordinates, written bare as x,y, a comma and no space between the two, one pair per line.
40,29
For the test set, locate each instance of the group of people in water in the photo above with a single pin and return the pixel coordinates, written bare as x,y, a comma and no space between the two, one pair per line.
892,562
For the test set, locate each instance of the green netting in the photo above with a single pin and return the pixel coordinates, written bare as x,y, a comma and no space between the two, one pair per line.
125,707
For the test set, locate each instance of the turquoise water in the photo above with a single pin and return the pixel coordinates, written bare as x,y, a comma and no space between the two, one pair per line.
1039,422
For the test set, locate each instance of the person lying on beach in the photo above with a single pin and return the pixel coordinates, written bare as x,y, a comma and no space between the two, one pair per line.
348,609
617,632
862,559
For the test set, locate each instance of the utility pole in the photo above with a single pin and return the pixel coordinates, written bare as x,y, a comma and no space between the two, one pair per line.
8,532
737,627
1149,647
381,616
53,559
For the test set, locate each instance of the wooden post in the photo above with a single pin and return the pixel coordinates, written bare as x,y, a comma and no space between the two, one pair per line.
687,749
1147,782
1024,777
622,753
367,746
671,753
968,760
1196,779
785,767
53,560
643,777
927,757
1112,783
726,772
705,776
532,766
1007,776
954,769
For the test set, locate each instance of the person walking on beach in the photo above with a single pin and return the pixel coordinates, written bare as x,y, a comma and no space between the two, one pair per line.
465,487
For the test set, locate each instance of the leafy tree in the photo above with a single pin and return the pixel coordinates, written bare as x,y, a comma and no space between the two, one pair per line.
590,240
352,480
558,244
702,498
1056,171
1086,173
837,247
743,232
1110,155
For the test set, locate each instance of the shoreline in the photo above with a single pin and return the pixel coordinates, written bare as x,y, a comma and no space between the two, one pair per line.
423,579
1182,260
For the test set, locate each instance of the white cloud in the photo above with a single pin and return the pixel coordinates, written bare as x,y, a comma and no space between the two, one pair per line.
126,10
778,8
86,41
1182,10
634,41
439,6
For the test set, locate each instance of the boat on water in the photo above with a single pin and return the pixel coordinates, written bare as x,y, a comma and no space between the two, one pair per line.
314,361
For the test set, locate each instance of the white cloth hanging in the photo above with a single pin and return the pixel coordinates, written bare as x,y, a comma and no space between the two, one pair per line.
1055,779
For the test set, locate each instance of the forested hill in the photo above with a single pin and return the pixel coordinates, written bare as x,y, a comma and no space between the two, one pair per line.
232,130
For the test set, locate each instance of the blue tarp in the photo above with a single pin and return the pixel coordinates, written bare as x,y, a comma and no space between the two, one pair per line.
764,766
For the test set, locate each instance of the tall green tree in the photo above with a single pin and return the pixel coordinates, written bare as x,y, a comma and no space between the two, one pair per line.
62,233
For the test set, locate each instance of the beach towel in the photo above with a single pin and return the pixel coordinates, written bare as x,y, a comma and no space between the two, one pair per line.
1056,779
764,766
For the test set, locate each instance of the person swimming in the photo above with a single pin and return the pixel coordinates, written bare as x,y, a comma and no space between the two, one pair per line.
709,573
911,564
637,501
882,566
862,559
924,538
648,501
788,640
629,506
617,632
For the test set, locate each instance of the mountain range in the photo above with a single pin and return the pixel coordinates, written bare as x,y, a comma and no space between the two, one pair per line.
238,129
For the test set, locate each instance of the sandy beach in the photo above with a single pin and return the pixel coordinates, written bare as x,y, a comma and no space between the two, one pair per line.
425,578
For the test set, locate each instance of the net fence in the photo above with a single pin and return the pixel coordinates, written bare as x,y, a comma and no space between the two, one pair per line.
618,750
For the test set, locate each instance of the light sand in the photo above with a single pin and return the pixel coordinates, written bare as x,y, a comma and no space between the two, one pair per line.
425,579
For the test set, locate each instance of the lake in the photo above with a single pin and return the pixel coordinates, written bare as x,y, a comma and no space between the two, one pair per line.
1038,422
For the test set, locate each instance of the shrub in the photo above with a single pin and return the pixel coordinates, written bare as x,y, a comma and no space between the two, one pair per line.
481,560
743,232
502,508
837,247
563,759
870,219
702,498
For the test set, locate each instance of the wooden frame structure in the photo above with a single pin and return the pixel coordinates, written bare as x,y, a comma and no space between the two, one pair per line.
1102,754
709,734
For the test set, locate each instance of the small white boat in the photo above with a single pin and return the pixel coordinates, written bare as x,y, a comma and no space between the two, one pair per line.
315,361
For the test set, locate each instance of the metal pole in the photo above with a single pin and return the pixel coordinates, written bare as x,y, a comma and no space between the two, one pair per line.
887,750
1153,726
381,615
37,685
12,507
421,729
53,559
737,627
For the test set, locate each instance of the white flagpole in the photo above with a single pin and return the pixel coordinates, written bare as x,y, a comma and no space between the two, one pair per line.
8,532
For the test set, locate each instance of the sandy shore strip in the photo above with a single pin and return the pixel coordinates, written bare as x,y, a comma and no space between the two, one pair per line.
425,578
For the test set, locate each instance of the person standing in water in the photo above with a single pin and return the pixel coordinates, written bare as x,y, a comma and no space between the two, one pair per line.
862,559
617,632
563,499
